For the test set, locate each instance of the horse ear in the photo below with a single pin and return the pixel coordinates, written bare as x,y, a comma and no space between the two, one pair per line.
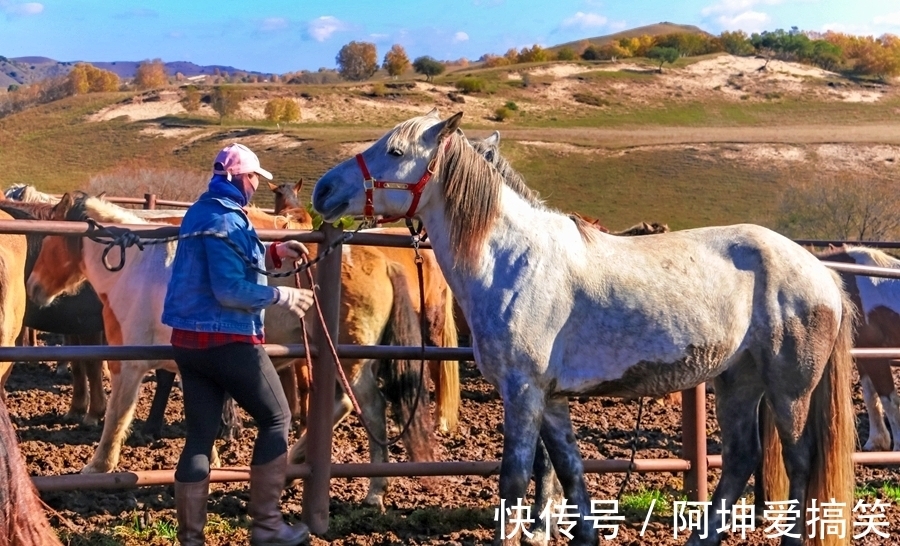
62,208
494,139
298,185
101,196
433,113
272,187
450,126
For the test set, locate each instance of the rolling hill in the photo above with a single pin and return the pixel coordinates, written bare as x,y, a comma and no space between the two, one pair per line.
659,29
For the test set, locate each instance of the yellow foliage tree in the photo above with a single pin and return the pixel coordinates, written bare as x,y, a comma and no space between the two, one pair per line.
395,61
87,78
282,110
357,61
151,74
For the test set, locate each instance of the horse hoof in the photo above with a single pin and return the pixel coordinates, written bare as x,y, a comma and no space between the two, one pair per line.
91,420
375,501
75,415
92,469
877,445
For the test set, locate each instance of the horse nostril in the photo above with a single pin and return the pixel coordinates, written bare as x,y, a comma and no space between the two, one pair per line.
321,193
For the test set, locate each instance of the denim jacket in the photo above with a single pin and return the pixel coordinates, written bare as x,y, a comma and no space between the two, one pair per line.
212,289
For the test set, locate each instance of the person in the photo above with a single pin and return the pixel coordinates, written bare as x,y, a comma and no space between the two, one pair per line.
214,303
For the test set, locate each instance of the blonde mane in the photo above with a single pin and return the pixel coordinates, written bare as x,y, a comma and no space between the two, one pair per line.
878,257
102,211
471,188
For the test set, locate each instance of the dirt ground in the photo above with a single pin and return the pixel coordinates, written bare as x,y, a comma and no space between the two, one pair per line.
454,510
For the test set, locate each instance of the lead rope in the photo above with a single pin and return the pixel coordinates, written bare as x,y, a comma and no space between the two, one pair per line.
634,438
345,382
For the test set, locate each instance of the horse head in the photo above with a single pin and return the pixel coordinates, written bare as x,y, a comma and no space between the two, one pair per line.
287,195
390,177
57,269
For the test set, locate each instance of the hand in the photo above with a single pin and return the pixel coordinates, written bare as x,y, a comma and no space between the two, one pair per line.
295,300
290,250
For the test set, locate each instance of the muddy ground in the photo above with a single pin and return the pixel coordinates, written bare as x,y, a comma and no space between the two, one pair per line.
456,510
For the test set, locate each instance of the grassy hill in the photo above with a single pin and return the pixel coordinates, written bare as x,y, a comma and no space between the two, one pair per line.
659,29
621,143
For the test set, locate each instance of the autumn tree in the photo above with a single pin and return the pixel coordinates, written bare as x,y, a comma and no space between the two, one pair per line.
736,42
226,101
832,207
87,78
428,66
151,74
281,109
357,61
566,54
535,54
663,55
395,61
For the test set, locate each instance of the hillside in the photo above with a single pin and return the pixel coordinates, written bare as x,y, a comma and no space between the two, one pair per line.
711,140
659,29
26,70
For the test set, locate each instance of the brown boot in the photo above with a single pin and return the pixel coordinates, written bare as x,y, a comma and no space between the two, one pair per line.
190,507
269,528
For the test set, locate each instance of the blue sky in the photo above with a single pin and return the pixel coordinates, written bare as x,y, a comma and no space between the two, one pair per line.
284,36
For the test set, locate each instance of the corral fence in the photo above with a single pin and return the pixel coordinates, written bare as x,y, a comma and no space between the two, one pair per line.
317,473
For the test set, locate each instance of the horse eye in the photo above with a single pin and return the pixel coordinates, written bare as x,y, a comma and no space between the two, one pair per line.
396,152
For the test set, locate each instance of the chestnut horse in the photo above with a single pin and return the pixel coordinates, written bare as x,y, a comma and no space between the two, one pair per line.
77,317
375,307
559,309
13,252
442,327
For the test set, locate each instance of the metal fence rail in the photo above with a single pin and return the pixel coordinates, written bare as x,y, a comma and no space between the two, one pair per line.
318,472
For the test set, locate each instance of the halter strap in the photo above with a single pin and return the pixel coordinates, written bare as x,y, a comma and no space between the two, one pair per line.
370,183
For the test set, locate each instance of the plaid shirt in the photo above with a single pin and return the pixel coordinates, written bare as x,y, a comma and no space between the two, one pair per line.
187,339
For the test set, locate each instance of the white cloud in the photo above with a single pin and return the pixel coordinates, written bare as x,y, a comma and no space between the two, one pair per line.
270,24
748,21
731,7
28,8
460,37
322,28
584,20
889,19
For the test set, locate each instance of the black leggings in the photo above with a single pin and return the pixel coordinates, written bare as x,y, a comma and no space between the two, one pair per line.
246,373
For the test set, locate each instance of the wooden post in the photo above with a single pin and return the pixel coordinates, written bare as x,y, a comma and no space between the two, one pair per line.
149,201
693,438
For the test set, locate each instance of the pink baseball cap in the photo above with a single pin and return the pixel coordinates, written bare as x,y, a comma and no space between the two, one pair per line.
238,159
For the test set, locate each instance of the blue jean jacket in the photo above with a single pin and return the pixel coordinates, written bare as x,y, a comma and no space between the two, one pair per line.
212,289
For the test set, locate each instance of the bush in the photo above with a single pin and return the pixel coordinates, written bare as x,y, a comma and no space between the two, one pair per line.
590,99
502,113
470,84
510,105
170,184
191,99
282,109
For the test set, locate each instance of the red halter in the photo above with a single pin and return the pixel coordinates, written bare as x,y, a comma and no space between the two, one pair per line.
370,184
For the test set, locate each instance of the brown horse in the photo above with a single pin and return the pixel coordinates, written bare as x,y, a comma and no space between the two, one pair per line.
77,317
13,251
375,308
442,328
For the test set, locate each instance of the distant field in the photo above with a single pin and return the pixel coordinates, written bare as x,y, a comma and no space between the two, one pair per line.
54,149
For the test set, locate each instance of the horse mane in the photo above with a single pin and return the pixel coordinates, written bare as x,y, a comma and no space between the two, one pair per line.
86,206
27,193
511,177
875,256
34,241
471,188
298,218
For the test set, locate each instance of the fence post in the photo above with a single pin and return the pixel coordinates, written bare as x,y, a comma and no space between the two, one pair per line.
693,442
149,201
316,488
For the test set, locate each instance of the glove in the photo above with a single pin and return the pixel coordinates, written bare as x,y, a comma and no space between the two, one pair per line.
290,249
287,249
295,300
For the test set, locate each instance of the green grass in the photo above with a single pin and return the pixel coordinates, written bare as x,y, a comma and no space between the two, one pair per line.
640,502
135,531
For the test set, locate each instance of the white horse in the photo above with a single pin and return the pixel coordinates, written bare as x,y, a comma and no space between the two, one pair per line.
559,309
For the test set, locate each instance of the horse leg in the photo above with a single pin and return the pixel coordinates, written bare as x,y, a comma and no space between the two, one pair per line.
154,423
79,404
738,392
370,399
342,408
879,438
289,384
547,492
126,383
523,412
94,371
562,448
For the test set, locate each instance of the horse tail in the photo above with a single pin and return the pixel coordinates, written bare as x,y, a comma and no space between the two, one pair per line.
22,518
831,422
775,480
405,381
446,385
